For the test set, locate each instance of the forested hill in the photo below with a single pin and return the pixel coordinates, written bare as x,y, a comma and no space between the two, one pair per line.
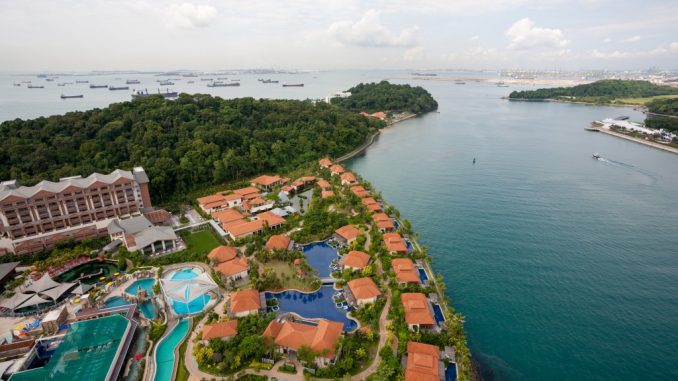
663,107
604,91
183,144
385,96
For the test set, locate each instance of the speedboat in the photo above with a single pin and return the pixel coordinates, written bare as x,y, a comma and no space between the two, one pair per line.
596,156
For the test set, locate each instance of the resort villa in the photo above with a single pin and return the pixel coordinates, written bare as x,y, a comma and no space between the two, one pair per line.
291,336
35,218
222,254
219,201
404,271
371,204
222,330
325,162
348,178
395,244
326,194
361,291
228,264
267,182
360,191
337,170
324,184
279,242
139,234
244,227
355,260
347,234
423,363
245,302
383,222
418,311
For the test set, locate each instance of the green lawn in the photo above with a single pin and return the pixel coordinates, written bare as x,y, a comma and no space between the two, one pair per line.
198,245
642,101
286,272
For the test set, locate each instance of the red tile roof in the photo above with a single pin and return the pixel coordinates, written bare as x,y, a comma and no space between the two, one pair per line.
416,309
278,242
232,267
394,243
324,184
363,288
336,168
359,191
220,330
383,221
422,362
348,232
325,162
245,300
326,194
405,271
272,218
223,254
267,180
356,259
246,191
228,215
348,176
321,338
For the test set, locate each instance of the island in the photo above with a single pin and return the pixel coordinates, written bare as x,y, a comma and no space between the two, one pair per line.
264,256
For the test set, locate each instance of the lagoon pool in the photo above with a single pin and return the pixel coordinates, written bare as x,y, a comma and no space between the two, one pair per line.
314,305
164,353
184,274
320,255
147,309
144,284
194,306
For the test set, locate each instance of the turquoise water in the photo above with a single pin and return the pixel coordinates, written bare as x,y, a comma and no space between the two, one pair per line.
565,267
314,305
146,307
145,284
194,306
184,274
319,256
164,353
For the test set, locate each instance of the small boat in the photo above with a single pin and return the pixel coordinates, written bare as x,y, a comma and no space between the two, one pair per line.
132,82
206,79
166,83
79,81
596,156
35,86
268,81
222,84
502,84
293,85
119,88
17,84
474,160
190,82
459,82
49,79
61,84
93,86
71,96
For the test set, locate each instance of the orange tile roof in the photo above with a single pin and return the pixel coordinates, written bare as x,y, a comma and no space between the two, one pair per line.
266,180
307,179
356,259
321,338
363,288
243,227
245,300
232,197
348,232
336,168
246,191
383,221
223,254
220,330
323,184
394,243
422,362
278,242
359,191
371,204
348,176
405,271
272,218
416,309
325,162
326,194
380,114
217,197
298,184
228,215
232,267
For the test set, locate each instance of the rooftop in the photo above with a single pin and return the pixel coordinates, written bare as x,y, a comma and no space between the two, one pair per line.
220,330
232,267
278,242
416,309
223,254
320,338
348,232
245,300
356,259
405,271
363,288
422,362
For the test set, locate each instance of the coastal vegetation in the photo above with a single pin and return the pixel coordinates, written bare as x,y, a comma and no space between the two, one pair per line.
385,96
667,114
600,92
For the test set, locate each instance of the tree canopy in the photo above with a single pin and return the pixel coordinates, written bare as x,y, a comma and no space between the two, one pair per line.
603,91
664,107
183,144
385,96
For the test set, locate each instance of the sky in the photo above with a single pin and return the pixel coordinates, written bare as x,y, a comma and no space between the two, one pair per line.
82,35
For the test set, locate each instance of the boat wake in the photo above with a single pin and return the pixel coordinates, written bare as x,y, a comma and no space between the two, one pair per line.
653,177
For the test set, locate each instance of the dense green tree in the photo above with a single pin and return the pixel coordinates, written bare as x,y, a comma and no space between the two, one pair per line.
602,91
385,96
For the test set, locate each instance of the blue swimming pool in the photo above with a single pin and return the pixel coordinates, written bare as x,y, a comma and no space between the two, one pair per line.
438,312
164,354
315,305
144,284
147,309
395,223
184,274
409,246
422,275
319,255
451,372
194,306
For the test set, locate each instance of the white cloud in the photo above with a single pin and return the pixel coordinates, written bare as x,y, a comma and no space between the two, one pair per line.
414,54
189,15
658,51
673,47
632,39
607,40
474,38
525,35
370,32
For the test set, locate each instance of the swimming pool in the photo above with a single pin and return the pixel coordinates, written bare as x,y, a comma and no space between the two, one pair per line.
422,275
147,309
91,271
320,255
438,312
144,283
451,372
194,306
314,305
184,274
164,353
187,290
409,246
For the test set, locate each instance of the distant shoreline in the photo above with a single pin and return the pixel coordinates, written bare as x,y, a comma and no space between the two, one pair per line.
572,102
370,140
639,140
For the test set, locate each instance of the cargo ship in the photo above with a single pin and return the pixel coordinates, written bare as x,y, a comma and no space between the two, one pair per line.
93,86
119,88
71,96
166,94
222,84
269,81
166,83
80,81
132,82
293,85
35,86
